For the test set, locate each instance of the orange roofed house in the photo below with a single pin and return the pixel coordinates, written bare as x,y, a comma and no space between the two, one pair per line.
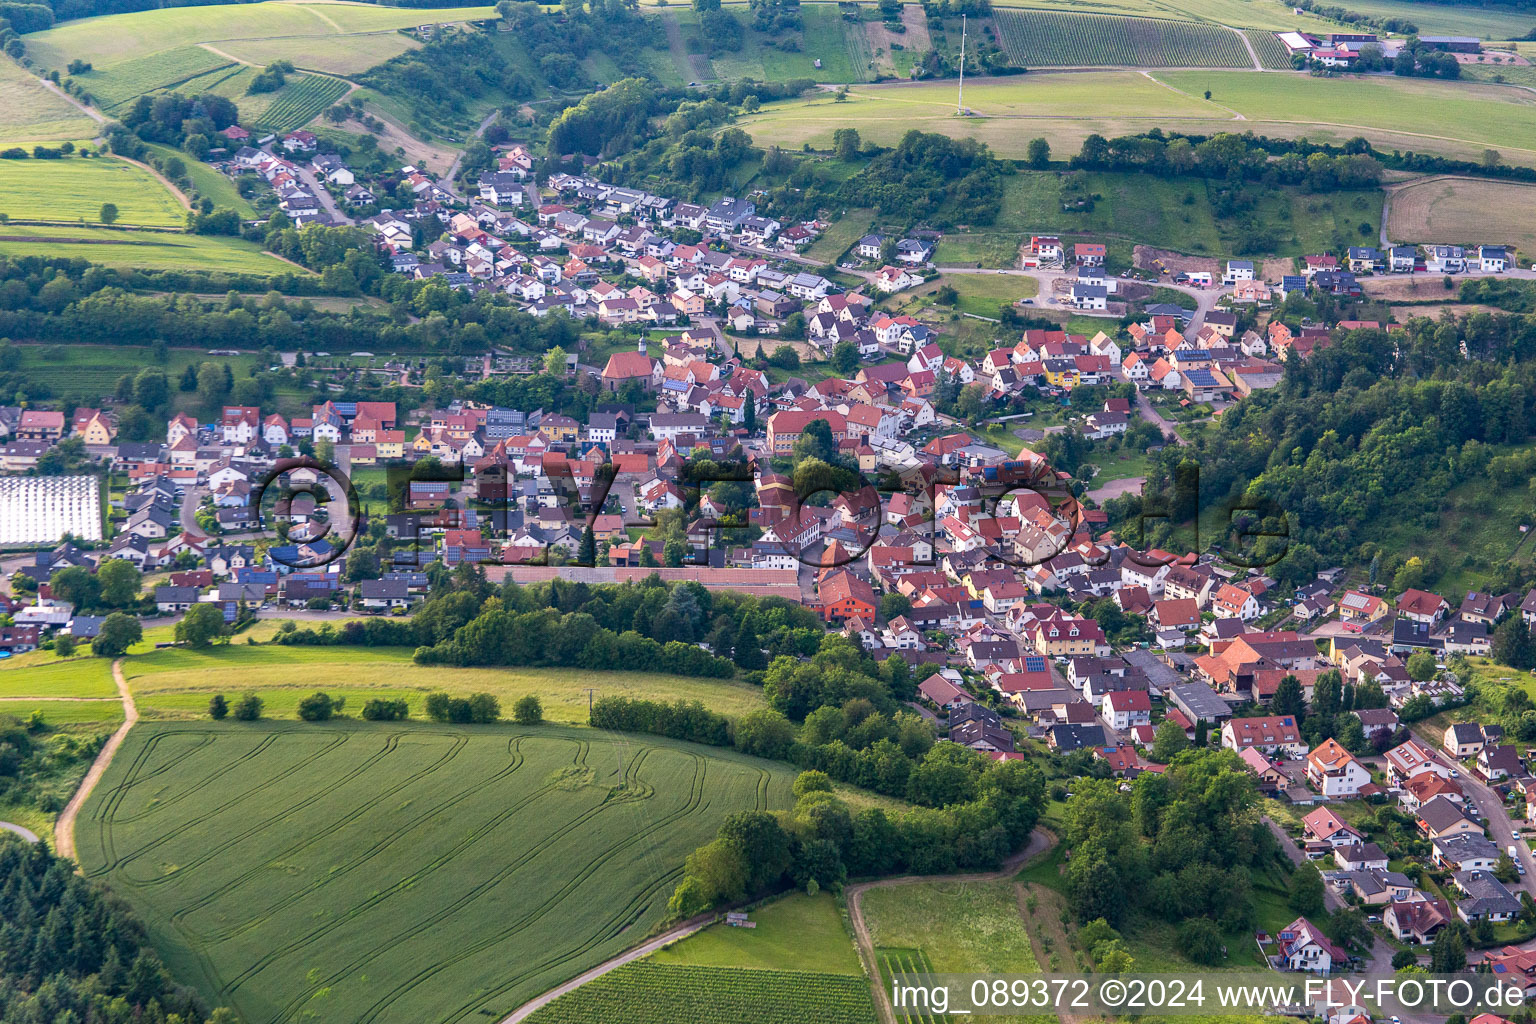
845,596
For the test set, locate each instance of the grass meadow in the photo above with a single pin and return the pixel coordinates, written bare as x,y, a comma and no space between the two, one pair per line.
1452,118
151,250
111,39
419,873
176,682
797,964
74,189
34,113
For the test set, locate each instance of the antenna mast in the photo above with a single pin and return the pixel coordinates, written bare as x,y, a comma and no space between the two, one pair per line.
960,96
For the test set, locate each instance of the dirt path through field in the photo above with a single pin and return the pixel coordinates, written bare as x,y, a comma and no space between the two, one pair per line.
1039,842
89,111
227,56
1253,54
181,197
64,828
666,938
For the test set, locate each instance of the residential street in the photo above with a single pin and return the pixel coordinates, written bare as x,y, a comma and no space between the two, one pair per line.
1380,958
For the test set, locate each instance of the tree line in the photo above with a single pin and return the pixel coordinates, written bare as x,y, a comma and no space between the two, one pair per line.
822,842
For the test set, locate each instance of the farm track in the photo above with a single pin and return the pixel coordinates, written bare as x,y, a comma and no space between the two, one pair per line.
64,828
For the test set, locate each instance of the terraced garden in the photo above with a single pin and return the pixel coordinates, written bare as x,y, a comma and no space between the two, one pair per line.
421,873
1057,39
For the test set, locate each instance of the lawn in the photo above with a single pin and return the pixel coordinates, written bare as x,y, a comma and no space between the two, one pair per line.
80,676
151,250
853,225
178,682
418,874
952,927
988,294
34,113
794,932
74,189
66,712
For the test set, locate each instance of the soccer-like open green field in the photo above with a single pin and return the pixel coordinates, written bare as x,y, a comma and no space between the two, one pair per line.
74,189
152,250
1453,118
401,873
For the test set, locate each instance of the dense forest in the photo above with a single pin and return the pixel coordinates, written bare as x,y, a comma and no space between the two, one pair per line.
1363,440
71,953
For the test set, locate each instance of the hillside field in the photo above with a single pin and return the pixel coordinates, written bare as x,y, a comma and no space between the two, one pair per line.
420,873
314,26
1458,119
151,250
34,113
1050,39
1171,213
74,189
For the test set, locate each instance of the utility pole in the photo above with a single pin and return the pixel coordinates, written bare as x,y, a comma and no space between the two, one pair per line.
589,702
960,97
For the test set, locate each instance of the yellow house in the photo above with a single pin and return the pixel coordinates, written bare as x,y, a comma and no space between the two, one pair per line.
97,431
423,443
1061,373
390,444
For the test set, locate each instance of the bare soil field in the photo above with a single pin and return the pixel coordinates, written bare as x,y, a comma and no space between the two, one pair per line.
1406,286
1465,211
1144,256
